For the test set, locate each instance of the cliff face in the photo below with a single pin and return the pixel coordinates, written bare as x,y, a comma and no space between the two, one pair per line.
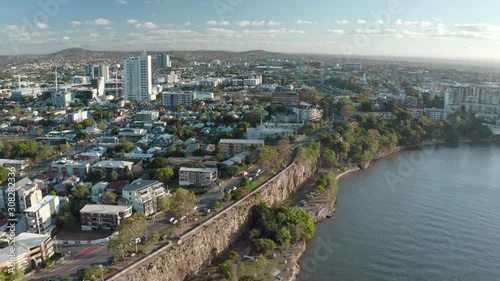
211,239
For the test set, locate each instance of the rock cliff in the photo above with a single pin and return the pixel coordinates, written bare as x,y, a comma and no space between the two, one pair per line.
211,239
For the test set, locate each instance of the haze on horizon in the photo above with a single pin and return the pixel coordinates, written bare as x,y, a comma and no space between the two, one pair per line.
404,28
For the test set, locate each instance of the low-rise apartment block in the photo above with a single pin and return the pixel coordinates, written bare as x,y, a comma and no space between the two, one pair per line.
69,168
197,176
106,217
230,147
31,251
143,195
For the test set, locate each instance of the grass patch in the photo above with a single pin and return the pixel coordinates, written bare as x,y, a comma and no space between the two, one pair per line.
256,183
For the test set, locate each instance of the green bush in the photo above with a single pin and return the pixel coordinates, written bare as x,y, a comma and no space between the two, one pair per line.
263,246
226,269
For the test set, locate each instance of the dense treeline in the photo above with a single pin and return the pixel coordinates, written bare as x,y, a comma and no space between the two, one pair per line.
282,226
360,141
31,150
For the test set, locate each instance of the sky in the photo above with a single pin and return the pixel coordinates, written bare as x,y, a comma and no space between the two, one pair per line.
402,28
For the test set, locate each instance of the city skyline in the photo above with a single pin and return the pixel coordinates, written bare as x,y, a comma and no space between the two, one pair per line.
366,28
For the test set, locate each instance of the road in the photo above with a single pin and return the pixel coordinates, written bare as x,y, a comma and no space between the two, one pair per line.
98,256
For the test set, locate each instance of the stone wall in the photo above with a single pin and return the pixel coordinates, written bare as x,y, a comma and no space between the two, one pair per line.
208,241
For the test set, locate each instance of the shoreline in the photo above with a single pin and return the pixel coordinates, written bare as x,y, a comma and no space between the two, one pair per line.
296,261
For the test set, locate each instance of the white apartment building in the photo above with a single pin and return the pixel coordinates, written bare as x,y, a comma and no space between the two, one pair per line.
307,113
175,99
436,114
481,100
61,98
262,132
41,218
143,195
77,117
197,176
137,84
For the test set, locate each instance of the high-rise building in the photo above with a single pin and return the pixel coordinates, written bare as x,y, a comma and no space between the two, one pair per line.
481,100
95,72
163,61
137,83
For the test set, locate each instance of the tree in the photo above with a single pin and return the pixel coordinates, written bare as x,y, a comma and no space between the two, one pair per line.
81,192
109,198
284,150
159,162
102,126
4,173
164,174
94,272
329,158
164,204
346,107
254,233
135,226
65,218
283,236
115,131
233,256
154,237
113,175
226,269
183,202
268,157
121,244
263,246
88,122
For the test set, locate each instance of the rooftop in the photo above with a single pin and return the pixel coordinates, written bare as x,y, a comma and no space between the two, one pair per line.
241,141
46,200
140,184
103,209
206,170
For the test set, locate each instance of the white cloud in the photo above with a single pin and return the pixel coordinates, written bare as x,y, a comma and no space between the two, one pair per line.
335,31
101,21
222,23
299,21
42,25
188,23
66,38
361,22
375,31
413,34
425,24
245,23
122,2
147,25
273,23
342,21
251,23
406,23
132,21
75,23
380,22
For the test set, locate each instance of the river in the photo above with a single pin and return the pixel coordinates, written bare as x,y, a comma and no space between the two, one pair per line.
431,215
